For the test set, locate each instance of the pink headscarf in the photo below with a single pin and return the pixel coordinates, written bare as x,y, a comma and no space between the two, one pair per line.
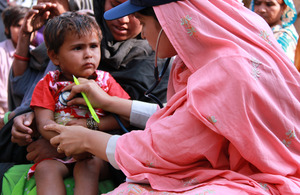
232,116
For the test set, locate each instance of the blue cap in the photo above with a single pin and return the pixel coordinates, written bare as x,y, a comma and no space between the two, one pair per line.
132,6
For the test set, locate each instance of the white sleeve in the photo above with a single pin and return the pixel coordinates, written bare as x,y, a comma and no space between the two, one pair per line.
110,151
140,113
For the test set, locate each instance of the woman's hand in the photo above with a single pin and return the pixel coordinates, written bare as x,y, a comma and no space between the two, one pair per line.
75,140
70,139
95,94
98,98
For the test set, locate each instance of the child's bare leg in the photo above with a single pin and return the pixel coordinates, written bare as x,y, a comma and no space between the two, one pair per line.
49,175
86,175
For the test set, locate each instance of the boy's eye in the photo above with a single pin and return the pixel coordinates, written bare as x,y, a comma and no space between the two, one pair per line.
94,46
77,48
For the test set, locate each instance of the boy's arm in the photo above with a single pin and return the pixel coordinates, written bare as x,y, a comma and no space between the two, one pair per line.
44,117
108,123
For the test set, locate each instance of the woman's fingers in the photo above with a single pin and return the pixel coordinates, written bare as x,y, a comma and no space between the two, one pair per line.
54,141
76,101
54,127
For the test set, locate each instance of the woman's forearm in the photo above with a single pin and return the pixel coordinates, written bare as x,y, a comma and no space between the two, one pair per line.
119,106
95,142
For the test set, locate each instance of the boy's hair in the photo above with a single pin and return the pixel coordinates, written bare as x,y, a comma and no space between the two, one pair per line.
11,16
79,24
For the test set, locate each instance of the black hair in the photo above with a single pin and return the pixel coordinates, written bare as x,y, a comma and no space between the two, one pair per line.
11,16
148,11
57,28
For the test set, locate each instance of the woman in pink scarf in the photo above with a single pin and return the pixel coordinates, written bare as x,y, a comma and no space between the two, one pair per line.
231,122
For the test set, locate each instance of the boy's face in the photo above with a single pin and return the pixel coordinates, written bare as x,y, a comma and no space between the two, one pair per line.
79,56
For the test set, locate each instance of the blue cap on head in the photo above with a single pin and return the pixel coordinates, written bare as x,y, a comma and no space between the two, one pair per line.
132,6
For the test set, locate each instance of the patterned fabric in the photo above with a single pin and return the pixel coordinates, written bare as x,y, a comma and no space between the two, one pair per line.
48,91
231,119
287,37
286,33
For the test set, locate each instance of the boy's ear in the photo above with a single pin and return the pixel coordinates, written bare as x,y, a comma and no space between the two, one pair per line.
53,57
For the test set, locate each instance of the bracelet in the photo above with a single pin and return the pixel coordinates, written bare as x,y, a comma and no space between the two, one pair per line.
5,119
26,59
91,124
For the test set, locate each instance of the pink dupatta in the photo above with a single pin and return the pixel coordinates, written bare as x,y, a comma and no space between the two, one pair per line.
232,112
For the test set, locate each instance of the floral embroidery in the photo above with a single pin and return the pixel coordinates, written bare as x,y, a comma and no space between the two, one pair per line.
263,34
212,119
255,71
264,186
149,164
190,29
190,182
290,135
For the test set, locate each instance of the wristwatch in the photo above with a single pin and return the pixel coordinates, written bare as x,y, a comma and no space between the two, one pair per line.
92,124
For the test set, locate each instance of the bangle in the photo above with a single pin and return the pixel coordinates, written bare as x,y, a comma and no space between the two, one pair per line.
5,119
21,57
91,124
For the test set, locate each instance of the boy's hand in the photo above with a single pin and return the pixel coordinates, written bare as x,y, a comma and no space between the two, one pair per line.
41,149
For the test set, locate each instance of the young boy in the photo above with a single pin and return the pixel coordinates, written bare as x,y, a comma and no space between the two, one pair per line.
73,44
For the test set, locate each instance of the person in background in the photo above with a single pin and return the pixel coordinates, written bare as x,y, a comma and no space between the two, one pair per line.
126,56
230,125
281,16
13,18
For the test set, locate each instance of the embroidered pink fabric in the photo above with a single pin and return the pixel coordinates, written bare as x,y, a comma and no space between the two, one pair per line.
232,117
